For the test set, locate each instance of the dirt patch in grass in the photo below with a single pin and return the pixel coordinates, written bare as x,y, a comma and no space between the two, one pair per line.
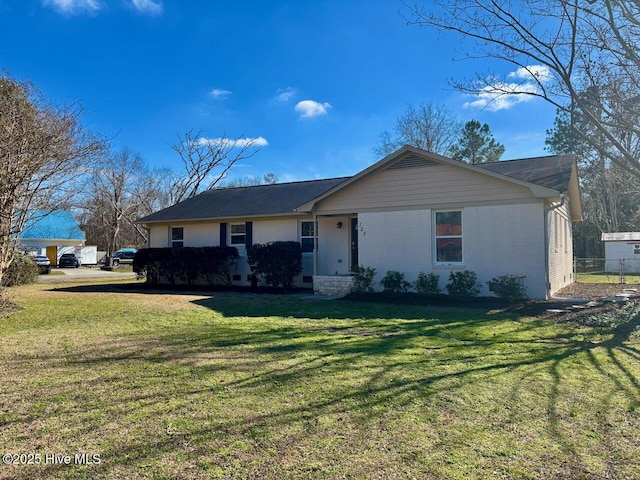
593,291
7,307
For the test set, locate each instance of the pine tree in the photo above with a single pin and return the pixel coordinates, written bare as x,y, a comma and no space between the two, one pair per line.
476,144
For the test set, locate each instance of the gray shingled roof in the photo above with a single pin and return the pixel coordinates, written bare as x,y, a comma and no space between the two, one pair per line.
552,172
275,199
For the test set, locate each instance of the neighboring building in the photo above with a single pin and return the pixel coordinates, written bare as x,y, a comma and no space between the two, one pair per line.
412,211
52,234
622,251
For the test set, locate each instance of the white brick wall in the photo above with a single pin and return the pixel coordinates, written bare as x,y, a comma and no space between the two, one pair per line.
497,240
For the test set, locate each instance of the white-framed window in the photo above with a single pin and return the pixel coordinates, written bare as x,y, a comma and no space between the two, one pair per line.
448,237
238,232
177,237
307,235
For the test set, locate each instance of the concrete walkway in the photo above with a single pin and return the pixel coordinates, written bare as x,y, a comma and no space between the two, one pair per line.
83,273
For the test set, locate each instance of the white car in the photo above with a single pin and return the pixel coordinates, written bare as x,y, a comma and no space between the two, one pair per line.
43,263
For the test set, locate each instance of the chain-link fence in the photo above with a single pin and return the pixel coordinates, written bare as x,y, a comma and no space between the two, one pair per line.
607,270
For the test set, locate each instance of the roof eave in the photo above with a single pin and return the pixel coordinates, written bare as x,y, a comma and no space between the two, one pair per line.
142,221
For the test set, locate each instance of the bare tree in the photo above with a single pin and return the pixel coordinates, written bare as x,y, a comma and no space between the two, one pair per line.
206,162
119,189
567,52
610,195
250,181
428,126
43,150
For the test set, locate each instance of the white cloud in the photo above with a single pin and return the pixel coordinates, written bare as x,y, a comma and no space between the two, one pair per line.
220,93
504,95
148,7
284,95
531,72
311,108
234,143
74,7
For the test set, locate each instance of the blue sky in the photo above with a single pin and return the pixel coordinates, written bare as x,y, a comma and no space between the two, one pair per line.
315,80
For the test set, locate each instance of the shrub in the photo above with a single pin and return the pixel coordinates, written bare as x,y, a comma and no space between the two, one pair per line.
278,262
363,278
463,284
22,270
427,284
186,265
508,287
394,282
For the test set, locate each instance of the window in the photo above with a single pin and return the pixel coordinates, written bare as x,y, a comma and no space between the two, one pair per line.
238,233
449,237
177,237
307,236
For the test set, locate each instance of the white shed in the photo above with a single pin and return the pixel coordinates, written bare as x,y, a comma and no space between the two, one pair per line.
622,247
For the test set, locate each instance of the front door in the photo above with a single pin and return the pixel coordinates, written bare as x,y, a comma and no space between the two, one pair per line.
354,243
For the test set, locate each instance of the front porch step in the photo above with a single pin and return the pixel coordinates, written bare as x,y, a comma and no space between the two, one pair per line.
333,285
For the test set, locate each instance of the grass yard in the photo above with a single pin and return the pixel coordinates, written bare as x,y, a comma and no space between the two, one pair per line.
241,386
610,278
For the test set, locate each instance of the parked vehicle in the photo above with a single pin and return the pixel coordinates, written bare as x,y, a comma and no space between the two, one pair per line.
69,260
43,263
123,256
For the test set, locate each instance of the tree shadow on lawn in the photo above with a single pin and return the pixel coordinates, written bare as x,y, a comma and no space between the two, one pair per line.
454,349
267,370
292,305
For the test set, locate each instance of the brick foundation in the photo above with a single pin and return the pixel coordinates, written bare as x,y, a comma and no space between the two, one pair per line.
337,285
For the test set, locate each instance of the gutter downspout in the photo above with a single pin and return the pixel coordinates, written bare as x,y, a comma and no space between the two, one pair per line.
547,276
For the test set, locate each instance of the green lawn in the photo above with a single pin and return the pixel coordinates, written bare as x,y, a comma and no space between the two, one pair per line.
602,277
235,386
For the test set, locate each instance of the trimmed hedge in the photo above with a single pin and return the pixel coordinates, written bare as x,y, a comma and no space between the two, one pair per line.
363,278
427,284
187,265
509,287
394,282
277,263
463,284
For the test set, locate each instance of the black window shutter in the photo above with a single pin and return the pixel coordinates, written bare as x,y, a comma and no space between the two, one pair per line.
248,234
223,234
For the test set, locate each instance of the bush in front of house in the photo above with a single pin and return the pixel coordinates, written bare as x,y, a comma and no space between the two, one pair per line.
363,278
277,263
463,284
22,271
187,265
509,287
394,282
427,284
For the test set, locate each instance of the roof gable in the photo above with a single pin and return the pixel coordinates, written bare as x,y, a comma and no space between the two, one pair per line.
556,172
58,225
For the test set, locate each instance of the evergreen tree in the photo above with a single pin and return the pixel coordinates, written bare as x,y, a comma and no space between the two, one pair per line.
476,144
